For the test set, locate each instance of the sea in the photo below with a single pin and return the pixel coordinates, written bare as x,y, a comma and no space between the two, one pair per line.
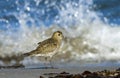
91,30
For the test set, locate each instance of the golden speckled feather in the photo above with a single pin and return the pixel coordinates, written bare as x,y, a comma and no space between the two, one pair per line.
47,47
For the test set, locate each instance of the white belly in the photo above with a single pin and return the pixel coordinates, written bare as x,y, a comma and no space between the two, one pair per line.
50,54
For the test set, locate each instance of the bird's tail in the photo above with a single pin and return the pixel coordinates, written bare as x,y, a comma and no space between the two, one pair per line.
29,53
26,54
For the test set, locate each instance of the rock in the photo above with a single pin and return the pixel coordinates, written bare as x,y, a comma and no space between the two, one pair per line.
88,74
77,76
41,77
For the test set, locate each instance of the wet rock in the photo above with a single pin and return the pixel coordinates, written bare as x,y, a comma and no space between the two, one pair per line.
12,66
63,75
77,76
118,69
93,76
41,77
118,76
88,74
64,72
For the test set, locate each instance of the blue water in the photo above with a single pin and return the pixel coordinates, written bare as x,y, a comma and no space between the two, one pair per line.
45,12
109,9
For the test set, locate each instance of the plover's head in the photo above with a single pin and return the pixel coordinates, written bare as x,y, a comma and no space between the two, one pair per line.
58,35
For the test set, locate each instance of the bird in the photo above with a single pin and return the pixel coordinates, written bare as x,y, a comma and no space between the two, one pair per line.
48,47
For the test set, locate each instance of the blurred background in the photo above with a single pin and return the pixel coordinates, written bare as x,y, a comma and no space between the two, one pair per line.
91,29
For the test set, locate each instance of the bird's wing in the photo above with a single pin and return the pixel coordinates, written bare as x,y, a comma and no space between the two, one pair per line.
48,45
30,53
39,43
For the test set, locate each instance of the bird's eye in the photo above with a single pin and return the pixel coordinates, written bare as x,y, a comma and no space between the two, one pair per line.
59,34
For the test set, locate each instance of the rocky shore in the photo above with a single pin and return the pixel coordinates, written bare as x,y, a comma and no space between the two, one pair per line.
21,72
86,74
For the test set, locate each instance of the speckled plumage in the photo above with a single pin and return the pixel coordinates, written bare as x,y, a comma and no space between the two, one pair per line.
48,47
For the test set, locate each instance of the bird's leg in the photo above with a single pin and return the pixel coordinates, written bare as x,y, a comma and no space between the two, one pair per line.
46,59
50,60
46,65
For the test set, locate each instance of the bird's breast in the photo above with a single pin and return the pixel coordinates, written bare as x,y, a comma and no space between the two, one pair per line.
50,54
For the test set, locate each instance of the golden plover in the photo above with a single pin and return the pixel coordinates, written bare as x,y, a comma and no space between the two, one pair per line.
48,47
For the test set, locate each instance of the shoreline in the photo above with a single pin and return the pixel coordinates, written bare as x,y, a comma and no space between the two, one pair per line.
36,73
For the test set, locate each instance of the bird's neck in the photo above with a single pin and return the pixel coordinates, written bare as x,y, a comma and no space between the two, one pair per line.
58,40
